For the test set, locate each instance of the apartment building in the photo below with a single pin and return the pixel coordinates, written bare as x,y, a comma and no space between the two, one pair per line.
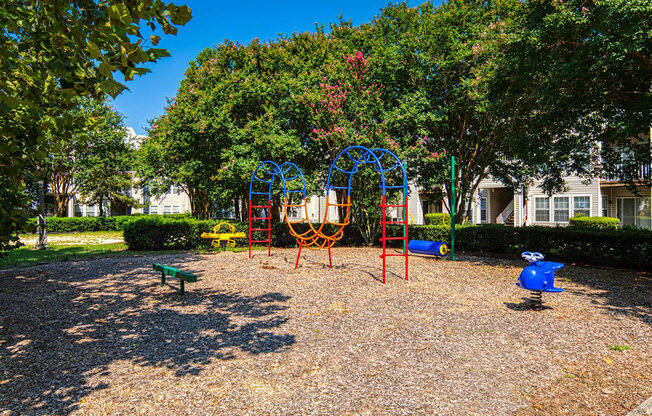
494,203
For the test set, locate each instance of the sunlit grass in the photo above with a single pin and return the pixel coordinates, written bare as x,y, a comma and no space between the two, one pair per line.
26,256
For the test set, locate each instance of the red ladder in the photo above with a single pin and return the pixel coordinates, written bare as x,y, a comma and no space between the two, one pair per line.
268,228
385,239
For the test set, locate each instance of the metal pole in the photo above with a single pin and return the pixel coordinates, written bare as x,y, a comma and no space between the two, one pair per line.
452,205
405,225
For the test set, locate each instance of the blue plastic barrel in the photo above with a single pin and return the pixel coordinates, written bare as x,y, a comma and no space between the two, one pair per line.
432,248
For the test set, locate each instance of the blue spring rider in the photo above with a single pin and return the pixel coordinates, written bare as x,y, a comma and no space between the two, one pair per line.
538,277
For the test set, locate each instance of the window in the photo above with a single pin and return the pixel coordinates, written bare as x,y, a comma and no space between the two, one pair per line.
90,211
176,209
605,206
293,212
582,206
167,209
627,211
483,208
643,212
153,209
560,206
78,211
542,209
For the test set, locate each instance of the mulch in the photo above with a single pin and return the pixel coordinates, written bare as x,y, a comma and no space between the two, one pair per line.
255,337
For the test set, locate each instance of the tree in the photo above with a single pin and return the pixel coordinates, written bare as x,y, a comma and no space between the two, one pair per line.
437,64
94,152
348,110
51,52
104,168
580,71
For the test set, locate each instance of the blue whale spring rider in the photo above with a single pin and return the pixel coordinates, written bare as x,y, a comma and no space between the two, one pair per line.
538,277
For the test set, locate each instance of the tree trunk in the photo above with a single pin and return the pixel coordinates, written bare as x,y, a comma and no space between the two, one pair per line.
276,209
206,206
42,227
236,204
60,204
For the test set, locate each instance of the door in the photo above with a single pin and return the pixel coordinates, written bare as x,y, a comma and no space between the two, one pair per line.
627,211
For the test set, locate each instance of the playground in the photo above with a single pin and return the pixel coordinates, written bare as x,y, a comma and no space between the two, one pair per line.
255,336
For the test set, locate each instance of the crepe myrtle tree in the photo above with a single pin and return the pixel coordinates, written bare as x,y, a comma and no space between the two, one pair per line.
347,109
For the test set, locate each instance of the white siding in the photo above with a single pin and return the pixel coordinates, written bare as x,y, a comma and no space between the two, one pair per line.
575,187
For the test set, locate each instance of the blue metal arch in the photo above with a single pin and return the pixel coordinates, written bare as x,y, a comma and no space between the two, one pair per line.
281,171
275,171
367,156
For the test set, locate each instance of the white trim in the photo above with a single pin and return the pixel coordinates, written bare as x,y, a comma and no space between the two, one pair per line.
590,204
534,206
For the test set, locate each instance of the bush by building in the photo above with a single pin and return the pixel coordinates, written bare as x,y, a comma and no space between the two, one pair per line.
594,222
440,218
86,224
625,248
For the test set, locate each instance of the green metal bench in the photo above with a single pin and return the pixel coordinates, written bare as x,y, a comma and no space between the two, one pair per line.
172,272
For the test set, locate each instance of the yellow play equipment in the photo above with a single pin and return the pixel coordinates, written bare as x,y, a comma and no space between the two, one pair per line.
229,237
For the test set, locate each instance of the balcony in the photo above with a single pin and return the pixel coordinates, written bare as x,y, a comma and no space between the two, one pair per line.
642,172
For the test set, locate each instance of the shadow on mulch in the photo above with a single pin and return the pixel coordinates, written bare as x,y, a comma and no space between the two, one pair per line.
57,331
627,292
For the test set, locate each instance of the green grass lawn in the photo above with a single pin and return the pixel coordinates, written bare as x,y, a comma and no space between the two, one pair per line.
67,246
27,256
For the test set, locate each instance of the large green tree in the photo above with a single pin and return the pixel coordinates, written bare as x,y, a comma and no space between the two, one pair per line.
580,73
88,155
437,64
52,51
106,164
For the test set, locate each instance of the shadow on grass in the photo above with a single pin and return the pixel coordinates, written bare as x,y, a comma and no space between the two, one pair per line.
26,256
58,331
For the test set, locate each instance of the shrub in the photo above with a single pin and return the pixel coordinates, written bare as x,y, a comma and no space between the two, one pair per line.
628,248
85,224
608,247
439,218
594,222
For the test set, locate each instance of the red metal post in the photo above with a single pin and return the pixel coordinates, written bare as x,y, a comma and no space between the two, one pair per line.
269,228
406,239
330,259
250,228
298,255
382,220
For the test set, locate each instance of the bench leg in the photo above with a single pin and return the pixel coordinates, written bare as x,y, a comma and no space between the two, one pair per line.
162,279
183,289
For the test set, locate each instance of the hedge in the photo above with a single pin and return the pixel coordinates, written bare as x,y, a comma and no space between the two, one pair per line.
85,224
440,218
625,248
594,222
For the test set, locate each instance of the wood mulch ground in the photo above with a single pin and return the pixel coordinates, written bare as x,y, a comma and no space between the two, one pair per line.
101,337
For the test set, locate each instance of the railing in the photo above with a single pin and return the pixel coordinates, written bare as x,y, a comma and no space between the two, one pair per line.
509,209
642,172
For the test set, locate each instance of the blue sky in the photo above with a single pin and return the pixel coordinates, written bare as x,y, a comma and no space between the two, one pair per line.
240,21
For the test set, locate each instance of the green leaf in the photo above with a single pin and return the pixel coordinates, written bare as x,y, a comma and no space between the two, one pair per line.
112,87
180,15
154,39
121,13
93,50
156,53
